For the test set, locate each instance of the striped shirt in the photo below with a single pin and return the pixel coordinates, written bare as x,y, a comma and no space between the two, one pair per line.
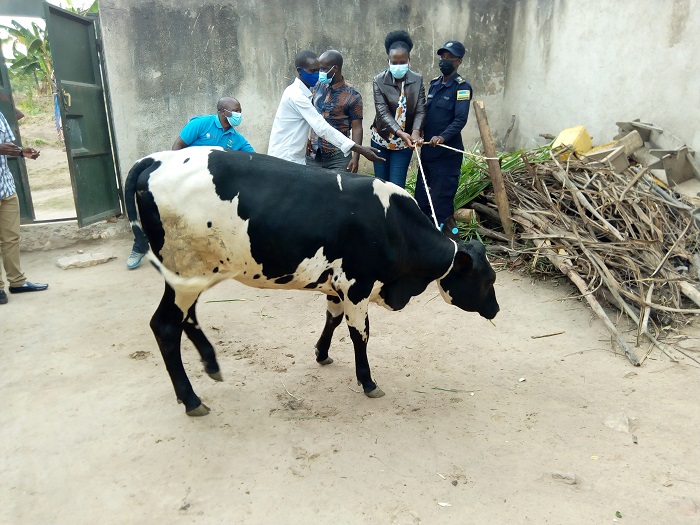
7,181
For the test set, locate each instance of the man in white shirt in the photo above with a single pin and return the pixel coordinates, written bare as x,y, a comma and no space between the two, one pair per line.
296,115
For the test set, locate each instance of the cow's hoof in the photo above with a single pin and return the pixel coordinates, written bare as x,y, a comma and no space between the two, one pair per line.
201,410
326,361
377,392
216,376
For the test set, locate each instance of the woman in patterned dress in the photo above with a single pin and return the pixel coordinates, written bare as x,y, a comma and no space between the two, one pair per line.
399,101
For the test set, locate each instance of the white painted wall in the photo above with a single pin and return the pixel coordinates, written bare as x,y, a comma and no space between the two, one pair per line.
594,63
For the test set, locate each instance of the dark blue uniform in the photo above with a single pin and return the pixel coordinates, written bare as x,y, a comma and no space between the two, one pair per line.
447,108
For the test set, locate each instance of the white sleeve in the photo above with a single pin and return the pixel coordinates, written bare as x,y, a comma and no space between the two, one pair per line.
322,128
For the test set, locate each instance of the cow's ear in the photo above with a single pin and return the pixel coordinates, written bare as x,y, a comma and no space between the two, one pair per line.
463,261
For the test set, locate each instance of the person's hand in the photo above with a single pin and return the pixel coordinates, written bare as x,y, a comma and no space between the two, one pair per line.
406,138
368,153
353,165
437,139
416,138
30,153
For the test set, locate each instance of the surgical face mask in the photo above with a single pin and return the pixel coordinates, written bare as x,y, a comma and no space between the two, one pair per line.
398,70
310,79
323,76
234,119
447,67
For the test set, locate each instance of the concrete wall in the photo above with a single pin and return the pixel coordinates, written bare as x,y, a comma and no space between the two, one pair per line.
552,63
596,63
168,60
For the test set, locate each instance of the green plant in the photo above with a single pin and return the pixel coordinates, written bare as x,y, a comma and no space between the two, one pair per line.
469,229
37,142
28,104
92,9
32,55
473,178
411,180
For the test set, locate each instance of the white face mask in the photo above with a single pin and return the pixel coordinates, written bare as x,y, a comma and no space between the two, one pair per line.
398,70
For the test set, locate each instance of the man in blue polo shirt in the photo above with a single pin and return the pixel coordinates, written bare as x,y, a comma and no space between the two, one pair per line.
215,130
208,130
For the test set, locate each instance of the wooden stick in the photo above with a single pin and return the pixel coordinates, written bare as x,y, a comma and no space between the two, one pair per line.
647,312
538,182
581,199
546,335
668,253
486,210
499,189
486,232
634,180
689,291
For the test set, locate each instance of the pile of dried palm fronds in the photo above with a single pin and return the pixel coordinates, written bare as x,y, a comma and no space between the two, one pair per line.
622,239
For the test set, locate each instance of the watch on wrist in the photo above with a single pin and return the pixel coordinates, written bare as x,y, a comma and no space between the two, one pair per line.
21,153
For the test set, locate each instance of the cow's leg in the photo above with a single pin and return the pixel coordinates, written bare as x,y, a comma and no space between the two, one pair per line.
167,324
358,324
334,314
202,344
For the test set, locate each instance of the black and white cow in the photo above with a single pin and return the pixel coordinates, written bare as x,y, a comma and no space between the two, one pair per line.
212,215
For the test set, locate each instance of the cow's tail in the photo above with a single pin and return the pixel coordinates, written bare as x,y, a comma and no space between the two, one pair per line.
130,185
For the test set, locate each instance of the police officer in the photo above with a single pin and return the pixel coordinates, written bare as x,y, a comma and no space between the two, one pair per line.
447,109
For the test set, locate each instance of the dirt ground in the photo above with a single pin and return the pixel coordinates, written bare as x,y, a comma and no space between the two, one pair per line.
480,424
49,178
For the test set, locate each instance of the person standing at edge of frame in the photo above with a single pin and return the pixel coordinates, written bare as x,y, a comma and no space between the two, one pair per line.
9,216
449,96
399,101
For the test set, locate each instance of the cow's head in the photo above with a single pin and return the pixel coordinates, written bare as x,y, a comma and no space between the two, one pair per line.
469,284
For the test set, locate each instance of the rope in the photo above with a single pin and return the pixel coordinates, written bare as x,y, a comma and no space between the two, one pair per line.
427,190
470,154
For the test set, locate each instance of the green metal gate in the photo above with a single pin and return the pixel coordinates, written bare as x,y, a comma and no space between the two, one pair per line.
83,109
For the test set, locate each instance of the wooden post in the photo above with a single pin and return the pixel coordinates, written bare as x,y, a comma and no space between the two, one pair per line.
499,188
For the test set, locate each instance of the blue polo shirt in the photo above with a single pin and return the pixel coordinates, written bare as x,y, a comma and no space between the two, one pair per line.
208,131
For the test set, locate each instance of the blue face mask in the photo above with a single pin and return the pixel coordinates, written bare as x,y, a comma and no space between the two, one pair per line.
234,119
398,70
310,79
323,76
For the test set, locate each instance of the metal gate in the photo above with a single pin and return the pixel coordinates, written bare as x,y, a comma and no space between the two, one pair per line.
83,106
84,113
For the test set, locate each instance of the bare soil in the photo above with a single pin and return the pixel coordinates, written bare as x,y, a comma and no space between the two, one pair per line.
49,178
480,424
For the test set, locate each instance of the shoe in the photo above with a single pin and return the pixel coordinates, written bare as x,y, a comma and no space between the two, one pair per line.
134,260
3,297
29,287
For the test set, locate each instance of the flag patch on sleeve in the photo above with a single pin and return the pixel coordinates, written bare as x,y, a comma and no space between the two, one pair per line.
464,94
